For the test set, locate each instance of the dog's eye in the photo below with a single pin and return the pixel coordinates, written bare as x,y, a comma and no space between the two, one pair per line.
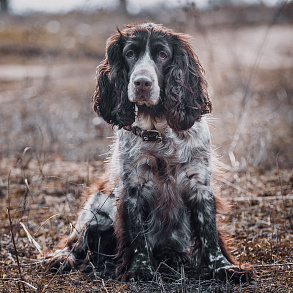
130,54
162,55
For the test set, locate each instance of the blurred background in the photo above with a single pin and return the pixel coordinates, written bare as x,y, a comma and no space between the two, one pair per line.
49,51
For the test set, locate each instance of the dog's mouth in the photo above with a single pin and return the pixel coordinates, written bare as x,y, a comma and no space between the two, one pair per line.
143,103
138,103
144,99
152,110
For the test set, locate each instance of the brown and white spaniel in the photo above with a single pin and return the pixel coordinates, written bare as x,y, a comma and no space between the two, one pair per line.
155,202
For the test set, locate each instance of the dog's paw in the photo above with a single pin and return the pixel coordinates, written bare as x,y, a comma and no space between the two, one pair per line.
60,261
238,274
140,274
140,269
171,257
234,274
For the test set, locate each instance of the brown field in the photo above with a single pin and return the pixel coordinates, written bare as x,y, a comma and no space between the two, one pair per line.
52,148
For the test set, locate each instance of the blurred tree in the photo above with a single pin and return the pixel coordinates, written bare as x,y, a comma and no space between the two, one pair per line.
122,6
3,5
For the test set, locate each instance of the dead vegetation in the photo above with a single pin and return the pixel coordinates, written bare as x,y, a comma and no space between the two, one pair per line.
50,149
44,200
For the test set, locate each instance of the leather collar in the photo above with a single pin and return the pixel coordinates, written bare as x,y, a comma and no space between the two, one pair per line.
146,135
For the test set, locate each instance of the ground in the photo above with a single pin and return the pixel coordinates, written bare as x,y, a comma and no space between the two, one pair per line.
43,198
52,146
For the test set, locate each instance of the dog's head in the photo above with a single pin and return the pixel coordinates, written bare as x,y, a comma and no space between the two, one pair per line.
152,67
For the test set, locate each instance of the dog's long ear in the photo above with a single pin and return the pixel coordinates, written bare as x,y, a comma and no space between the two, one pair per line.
186,97
110,99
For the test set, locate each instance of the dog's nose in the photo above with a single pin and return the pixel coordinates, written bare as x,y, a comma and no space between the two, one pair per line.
143,83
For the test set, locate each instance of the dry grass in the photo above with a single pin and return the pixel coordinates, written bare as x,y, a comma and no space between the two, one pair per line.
261,225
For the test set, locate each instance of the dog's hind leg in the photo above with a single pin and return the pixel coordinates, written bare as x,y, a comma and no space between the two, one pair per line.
92,234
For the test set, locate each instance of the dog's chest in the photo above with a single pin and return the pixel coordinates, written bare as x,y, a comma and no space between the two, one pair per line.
172,150
173,162
151,162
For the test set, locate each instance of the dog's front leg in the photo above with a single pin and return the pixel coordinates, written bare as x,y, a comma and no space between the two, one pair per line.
203,219
132,242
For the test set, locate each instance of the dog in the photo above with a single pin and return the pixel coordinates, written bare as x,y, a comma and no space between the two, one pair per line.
154,204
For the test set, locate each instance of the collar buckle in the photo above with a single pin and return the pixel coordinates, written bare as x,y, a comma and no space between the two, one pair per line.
151,136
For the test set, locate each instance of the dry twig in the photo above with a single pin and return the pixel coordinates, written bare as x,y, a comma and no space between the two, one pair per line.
12,237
